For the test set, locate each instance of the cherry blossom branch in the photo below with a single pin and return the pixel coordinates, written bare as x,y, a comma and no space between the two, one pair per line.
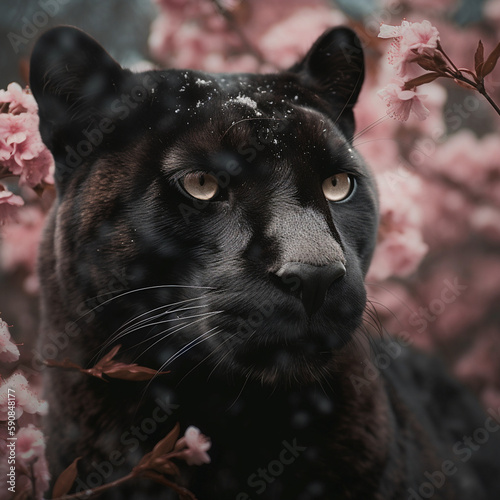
417,45
183,492
155,465
478,82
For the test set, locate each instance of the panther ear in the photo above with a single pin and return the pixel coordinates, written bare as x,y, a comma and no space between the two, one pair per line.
73,79
334,68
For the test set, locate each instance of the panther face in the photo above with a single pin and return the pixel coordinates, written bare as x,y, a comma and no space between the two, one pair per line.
234,204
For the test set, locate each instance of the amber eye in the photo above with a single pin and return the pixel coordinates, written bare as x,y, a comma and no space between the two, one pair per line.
338,187
200,185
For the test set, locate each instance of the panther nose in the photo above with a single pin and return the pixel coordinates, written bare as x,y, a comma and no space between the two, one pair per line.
310,282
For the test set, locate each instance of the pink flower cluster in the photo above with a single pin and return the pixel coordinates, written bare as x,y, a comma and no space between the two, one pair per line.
410,42
27,399
32,461
400,102
8,350
32,471
22,152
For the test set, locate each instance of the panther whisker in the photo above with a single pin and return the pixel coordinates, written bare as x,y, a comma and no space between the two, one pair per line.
218,363
369,127
164,306
391,292
378,139
177,329
191,345
240,393
145,324
372,318
185,349
209,355
139,290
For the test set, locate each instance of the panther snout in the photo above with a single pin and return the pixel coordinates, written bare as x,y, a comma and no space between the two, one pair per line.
310,283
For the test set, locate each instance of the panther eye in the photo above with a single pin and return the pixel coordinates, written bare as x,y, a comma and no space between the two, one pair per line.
200,185
338,187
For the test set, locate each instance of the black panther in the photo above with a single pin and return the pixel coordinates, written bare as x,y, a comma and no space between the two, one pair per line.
242,222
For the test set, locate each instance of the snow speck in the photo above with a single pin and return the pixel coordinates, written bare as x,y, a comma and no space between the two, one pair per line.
245,100
202,83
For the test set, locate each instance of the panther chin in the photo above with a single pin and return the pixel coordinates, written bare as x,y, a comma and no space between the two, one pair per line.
309,356
288,365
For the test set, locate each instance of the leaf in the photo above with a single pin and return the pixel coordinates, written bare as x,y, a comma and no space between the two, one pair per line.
479,58
167,443
124,371
130,372
420,80
65,480
490,63
108,357
66,364
113,369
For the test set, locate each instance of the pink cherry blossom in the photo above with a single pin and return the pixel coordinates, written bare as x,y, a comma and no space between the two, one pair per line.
409,41
30,443
401,102
22,151
9,204
197,446
20,101
26,398
8,350
30,448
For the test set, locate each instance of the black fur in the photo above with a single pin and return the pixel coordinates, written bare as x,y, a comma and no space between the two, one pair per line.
269,382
